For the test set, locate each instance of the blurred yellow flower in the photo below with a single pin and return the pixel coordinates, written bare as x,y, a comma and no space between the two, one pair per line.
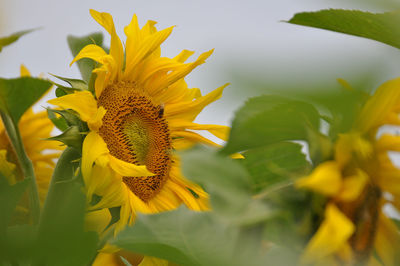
34,129
358,183
140,112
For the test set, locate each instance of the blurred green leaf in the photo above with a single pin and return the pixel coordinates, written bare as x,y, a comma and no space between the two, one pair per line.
269,119
228,184
381,27
11,90
274,165
4,41
225,179
76,44
61,236
187,238
9,197
18,245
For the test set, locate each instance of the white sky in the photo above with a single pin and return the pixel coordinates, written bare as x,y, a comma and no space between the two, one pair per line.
248,38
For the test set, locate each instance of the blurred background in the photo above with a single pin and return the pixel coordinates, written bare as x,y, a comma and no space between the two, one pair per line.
255,50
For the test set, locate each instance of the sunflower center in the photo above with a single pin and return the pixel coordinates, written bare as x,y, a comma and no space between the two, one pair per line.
135,131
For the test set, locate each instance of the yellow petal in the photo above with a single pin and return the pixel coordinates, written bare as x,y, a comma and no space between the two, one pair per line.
6,168
189,110
332,236
128,169
96,121
191,137
387,241
151,261
93,147
147,47
353,186
388,142
183,56
178,74
91,51
24,71
350,144
219,131
82,102
97,220
116,49
325,179
386,97
109,259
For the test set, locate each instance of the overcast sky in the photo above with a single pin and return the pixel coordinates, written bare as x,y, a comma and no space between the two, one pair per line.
249,38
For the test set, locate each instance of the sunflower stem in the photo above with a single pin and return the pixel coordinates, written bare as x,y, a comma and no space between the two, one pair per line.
25,164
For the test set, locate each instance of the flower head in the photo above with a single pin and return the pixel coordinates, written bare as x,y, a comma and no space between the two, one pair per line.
141,110
358,182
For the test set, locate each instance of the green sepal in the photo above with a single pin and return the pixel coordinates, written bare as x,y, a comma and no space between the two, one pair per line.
381,27
76,84
71,137
59,122
76,44
71,119
4,41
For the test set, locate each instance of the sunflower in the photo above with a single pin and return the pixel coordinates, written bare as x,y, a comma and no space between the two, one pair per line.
34,129
359,182
140,112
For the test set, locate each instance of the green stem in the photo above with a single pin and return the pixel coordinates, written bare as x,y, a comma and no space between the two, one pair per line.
26,165
64,171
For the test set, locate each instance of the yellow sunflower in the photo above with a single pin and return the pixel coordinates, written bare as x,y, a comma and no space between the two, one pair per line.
359,182
141,110
34,129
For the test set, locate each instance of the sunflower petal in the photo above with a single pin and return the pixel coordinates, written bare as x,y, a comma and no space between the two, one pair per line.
189,110
325,179
183,56
91,51
331,236
376,109
128,169
219,131
148,46
116,49
82,102
93,148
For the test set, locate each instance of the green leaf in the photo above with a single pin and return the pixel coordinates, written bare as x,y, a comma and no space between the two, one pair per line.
187,238
225,179
62,239
76,44
9,197
381,27
228,184
18,245
269,119
275,165
11,91
4,41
